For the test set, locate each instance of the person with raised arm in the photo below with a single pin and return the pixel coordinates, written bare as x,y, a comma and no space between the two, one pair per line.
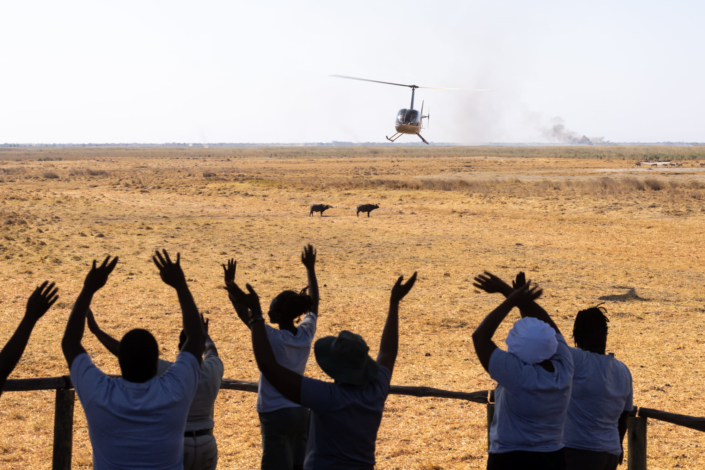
38,304
283,423
602,391
136,421
534,379
346,414
200,445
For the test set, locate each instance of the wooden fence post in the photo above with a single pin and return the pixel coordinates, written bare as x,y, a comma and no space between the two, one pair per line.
63,429
636,443
490,416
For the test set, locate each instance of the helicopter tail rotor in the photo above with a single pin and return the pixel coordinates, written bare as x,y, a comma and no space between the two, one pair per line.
428,116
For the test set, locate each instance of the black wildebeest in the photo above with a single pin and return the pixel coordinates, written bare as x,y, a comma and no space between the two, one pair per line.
366,208
319,208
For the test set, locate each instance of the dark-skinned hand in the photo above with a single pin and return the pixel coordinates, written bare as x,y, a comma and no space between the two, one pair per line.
170,272
308,257
525,294
229,271
98,275
41,300
400,290
490,283
520,280
249,300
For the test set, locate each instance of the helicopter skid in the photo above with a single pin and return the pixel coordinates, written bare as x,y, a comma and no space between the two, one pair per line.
394,137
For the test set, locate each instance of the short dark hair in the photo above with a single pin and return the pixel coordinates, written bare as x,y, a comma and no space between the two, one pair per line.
139,354
590,325
291,305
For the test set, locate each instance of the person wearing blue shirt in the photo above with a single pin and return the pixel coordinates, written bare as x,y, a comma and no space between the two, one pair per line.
534,379
601,399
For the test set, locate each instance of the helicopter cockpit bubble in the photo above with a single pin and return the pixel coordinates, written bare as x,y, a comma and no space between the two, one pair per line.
408,116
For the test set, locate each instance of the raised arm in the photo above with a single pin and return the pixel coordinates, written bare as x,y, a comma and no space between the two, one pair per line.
286,381
210,345
229,277
110,343
490,283
482,336
95,280
172,275
308,258
389,345
39,302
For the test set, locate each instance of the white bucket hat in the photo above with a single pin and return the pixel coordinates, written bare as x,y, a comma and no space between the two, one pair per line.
532,340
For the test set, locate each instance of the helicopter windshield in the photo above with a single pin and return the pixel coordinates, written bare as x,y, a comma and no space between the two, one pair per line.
408,116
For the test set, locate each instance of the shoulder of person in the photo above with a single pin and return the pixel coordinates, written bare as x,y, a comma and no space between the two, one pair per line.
384,376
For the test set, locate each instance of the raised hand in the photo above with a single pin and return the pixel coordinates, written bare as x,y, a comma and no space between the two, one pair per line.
308,257
491,284
98,275
249,300
525,294
520,280
229,271
400,290
41,300
170,272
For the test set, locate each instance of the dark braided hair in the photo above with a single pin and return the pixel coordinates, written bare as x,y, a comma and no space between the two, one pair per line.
290,305
590,328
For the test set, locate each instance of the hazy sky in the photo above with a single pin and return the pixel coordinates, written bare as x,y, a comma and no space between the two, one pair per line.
246,71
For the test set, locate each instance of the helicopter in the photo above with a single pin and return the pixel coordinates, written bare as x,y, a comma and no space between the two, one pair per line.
409,121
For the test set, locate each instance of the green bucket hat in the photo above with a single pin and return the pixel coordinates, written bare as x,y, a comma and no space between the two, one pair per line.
345,358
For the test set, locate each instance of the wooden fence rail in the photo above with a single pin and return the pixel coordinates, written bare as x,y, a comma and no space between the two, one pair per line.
66,396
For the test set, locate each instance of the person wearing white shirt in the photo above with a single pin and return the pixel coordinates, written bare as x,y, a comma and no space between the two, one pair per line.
136,421
283,423
534,378
601,400
200,446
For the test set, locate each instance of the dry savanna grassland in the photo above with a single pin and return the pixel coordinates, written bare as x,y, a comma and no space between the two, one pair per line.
585,223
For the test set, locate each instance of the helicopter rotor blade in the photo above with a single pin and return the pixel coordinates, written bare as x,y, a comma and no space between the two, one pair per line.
374,81
410,86
455,89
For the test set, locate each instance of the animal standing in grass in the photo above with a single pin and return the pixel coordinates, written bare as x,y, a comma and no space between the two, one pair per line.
366,208
319,208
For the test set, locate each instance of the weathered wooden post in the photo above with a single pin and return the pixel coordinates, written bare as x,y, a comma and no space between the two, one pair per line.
490,416
636,443
63,429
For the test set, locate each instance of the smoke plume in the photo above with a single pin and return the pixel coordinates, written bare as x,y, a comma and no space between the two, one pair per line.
557,132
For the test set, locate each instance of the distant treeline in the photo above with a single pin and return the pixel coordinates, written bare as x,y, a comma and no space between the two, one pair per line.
630,153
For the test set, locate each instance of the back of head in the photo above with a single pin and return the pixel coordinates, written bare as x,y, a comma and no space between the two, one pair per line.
139,355
590,329
289,305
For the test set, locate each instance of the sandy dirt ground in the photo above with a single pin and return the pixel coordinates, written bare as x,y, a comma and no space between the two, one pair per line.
586,224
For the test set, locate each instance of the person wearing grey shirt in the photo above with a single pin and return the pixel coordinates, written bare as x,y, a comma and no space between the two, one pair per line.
200,446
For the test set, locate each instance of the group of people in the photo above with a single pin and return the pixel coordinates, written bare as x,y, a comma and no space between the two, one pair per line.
557,407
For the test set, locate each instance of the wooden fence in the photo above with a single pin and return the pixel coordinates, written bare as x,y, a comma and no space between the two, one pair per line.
66,398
